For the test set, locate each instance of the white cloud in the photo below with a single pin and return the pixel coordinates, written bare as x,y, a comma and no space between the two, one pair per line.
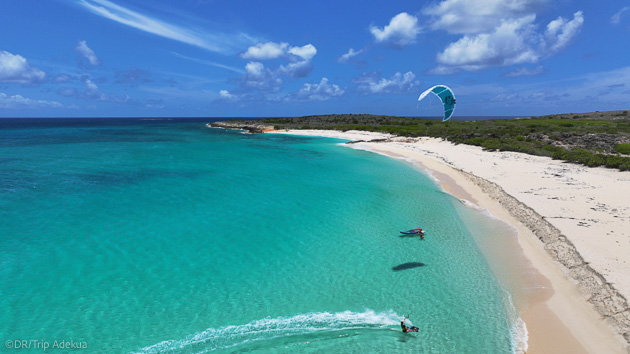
398,83
15,68
296,69
300,65
514,41
90,87
272,50
506,45
87,53
254,68
479,16
213,41
322,91
225,95
18,101
616,18
497,33
299,57
401,31
260,78
306,52
264,51
300,61
560,31
351,53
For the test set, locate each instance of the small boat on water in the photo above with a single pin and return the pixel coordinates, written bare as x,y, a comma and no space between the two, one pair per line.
412,232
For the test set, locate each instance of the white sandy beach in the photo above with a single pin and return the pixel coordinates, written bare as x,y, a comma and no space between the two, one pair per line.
573,226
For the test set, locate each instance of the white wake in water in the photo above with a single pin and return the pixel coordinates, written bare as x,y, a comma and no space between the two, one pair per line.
270,328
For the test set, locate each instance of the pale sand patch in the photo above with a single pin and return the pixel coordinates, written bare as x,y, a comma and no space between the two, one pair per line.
581,215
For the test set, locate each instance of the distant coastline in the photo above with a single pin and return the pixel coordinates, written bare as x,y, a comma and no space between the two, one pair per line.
591,139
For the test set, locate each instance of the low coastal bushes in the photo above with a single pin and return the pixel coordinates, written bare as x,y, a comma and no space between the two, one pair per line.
588,158
575,155
623,149
591,139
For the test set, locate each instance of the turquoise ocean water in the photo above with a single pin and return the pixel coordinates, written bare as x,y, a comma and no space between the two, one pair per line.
167,236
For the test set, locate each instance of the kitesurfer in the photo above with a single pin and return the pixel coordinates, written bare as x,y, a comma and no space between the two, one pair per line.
406,328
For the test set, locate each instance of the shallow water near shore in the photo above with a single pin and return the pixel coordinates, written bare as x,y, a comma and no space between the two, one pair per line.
150,236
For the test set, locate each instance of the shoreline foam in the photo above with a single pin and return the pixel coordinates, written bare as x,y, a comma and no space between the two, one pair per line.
586,312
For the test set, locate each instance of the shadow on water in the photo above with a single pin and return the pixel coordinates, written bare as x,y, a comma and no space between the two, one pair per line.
408,265
406,337
409,235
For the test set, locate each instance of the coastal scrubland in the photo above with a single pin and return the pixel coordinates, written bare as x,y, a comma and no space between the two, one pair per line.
592,139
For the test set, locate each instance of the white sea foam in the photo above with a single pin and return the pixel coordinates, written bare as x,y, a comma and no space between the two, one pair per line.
519,336
518,330
270,328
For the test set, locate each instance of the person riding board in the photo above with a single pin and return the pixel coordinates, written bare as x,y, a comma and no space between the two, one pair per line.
406,328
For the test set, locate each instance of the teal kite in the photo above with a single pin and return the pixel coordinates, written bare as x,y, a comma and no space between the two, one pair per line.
447,97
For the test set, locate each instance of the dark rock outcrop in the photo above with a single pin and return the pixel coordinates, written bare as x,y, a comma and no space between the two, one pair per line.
250,127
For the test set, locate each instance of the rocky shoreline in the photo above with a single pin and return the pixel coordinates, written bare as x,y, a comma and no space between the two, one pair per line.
608,302
252,128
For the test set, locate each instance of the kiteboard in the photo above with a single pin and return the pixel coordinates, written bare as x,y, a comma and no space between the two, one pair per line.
412,232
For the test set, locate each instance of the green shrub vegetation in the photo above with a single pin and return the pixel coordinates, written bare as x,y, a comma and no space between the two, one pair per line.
623,149
591,139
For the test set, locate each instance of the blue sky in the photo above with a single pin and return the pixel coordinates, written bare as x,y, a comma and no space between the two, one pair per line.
220,58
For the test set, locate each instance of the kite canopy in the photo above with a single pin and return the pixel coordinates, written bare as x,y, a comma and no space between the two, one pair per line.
446,96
